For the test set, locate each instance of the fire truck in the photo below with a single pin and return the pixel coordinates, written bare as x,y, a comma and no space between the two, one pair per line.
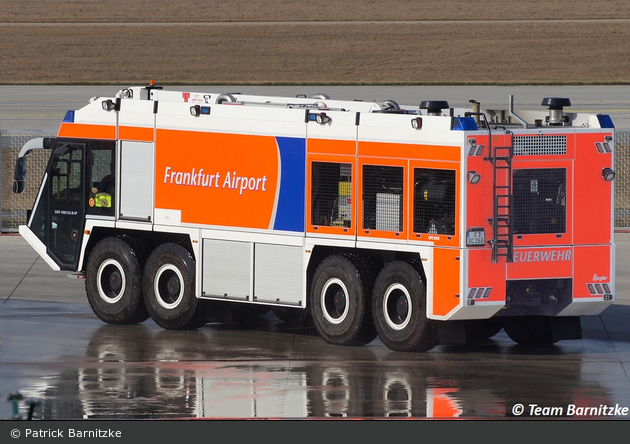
421,224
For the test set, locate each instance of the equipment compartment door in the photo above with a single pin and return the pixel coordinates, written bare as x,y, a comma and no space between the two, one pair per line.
279,274
227,269
136,181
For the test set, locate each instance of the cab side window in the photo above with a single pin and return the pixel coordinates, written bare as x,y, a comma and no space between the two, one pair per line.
101,179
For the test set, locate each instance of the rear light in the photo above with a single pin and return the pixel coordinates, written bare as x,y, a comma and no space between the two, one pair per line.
608,174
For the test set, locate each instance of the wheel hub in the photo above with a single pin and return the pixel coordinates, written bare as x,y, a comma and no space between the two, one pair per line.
115,281
402,307
334,301
110,281
340,301
396,307
168,286
173,286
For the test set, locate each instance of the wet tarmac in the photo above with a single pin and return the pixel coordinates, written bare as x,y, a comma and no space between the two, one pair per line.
53,348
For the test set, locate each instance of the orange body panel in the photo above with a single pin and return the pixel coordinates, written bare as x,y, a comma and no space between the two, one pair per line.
221,200
446,272
336,147
592,193
483,273
136,133
592,266
87,131
409,151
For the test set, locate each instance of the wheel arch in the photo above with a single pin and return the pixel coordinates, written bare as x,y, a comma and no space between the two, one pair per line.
144,241
376,259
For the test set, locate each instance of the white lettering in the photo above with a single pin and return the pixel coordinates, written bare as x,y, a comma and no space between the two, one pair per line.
535,410
43,433
96,433
227,181
198,178
543,256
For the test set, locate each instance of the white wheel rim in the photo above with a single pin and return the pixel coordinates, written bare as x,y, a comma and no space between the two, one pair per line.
165,274
326,300
107,295
395,294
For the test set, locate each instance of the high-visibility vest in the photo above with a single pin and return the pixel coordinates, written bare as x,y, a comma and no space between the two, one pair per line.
103,200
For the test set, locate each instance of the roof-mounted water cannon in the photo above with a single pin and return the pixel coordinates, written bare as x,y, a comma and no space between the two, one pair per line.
434,107
556,115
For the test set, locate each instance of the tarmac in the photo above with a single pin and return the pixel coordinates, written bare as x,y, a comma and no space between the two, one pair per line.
53,348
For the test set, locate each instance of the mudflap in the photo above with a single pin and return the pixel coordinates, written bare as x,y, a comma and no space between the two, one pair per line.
565,327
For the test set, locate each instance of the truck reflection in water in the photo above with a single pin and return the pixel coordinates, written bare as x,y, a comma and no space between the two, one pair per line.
139,372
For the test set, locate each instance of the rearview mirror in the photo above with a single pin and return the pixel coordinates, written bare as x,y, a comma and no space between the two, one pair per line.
19,175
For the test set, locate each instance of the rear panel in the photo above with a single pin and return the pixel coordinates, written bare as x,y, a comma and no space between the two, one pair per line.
560,215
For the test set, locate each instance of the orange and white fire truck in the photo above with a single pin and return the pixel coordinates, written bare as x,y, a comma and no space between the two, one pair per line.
423,225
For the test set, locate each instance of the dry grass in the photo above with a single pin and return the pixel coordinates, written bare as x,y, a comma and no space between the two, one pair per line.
393,42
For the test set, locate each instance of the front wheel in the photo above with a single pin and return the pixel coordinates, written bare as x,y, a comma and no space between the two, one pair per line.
113,282
399,309
169,288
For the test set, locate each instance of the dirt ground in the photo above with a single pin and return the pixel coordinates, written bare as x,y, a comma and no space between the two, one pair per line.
382,42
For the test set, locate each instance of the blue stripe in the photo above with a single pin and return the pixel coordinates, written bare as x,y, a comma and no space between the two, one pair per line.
290,212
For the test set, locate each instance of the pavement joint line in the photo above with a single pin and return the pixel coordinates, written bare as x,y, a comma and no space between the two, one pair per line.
21,280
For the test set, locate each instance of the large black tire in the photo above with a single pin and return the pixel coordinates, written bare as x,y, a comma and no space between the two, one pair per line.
479,330
292,316
529,330
113,282
169,288
340,303
399,309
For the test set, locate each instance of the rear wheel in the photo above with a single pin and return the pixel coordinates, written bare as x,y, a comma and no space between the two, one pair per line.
169,288
340,303
480,330
113,282
399,308
529,330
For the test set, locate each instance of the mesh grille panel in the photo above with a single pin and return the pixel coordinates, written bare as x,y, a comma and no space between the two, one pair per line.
382,198
622,179
434,201
539,145
539,204
331,199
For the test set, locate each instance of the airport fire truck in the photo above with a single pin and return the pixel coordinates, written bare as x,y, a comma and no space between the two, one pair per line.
422,225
